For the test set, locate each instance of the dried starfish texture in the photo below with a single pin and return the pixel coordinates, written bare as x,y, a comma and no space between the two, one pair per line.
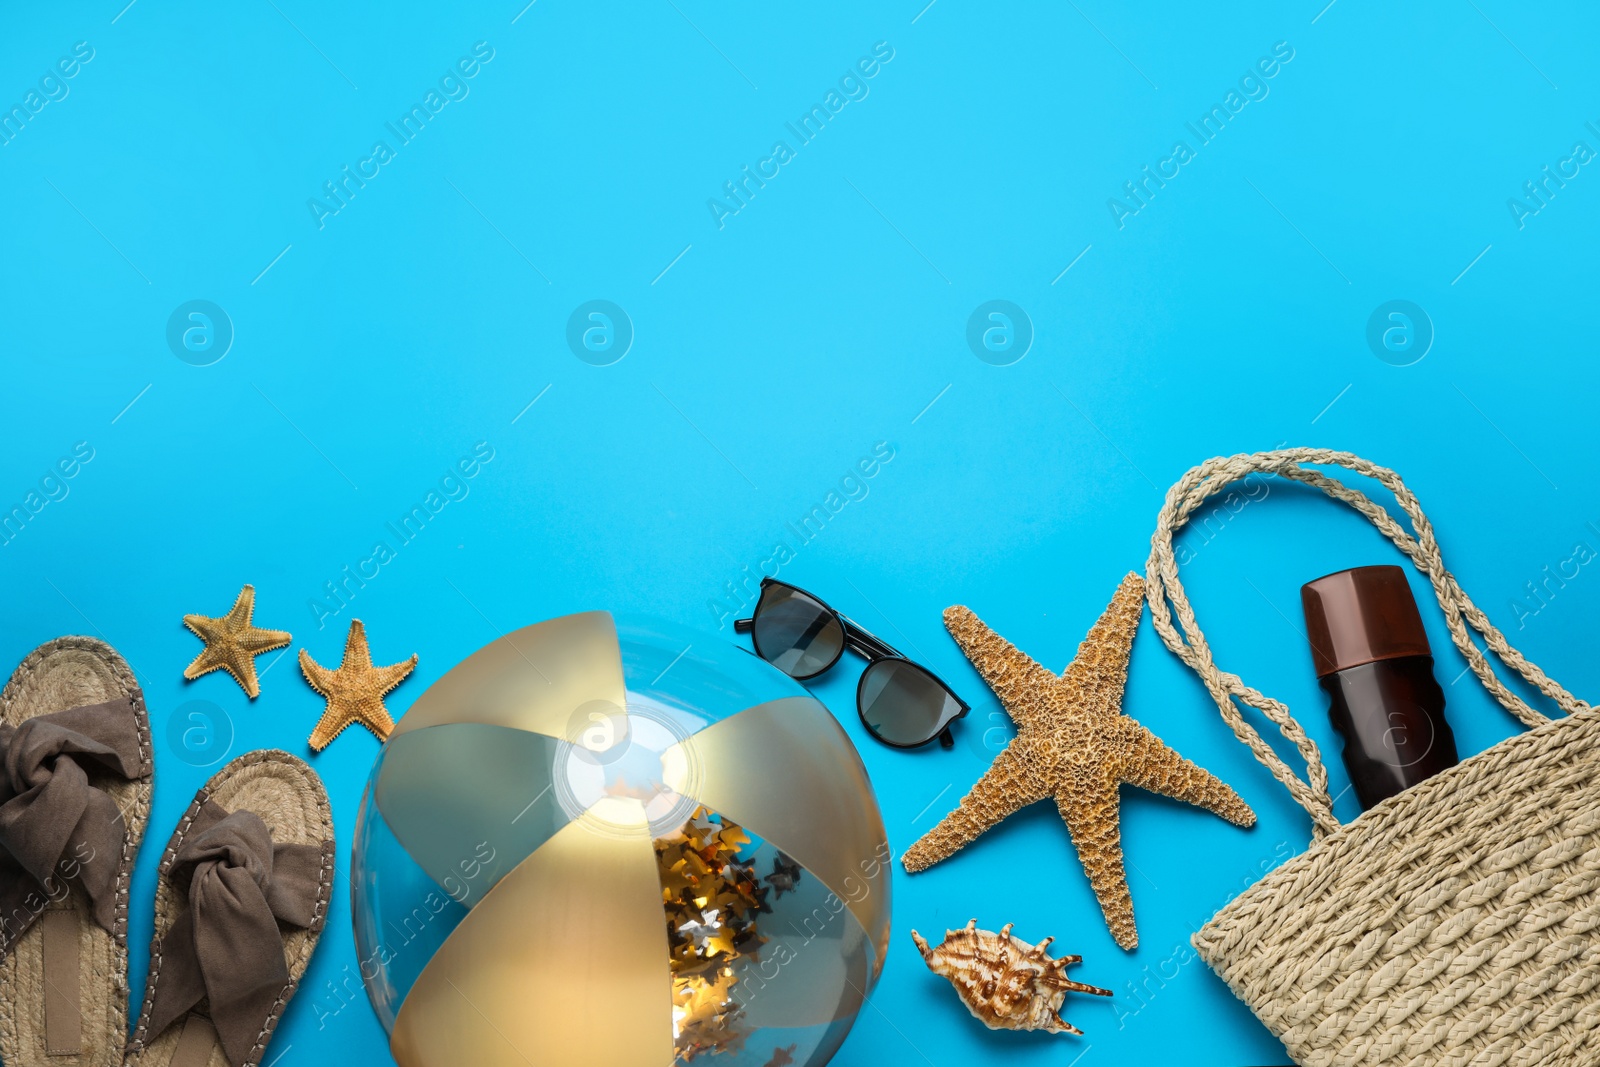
232,644
355,691
1073,744
1005,982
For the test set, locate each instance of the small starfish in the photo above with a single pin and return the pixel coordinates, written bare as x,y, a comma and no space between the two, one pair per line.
355,691
232,644
1073,744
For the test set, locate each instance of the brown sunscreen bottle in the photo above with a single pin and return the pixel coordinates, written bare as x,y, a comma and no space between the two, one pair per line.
1372,657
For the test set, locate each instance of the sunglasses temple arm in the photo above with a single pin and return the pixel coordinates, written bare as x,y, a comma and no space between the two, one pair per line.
945,739
743,626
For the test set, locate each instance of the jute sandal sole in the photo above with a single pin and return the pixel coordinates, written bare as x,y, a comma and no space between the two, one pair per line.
66,673
290,799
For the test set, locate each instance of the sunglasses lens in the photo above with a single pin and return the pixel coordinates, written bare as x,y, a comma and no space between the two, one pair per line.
903,704
796,633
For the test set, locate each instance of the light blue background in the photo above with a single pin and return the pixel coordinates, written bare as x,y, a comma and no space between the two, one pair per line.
1228,315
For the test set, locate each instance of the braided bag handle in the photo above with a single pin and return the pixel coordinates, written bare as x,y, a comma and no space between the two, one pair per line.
1162,586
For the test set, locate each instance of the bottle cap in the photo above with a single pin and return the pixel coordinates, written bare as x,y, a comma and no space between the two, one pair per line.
1360,616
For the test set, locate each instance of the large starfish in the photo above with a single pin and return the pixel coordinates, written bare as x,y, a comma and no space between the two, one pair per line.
232,643
1073,744
355,691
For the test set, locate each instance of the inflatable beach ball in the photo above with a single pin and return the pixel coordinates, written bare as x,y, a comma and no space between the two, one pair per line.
618,844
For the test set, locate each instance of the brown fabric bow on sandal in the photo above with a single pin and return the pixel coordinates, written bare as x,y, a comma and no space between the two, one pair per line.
226,948
75,785
53,823
243,895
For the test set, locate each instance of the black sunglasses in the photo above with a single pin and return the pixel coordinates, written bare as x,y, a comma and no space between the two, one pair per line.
900,703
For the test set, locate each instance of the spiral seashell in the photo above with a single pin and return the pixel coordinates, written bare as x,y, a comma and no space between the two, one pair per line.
1005,982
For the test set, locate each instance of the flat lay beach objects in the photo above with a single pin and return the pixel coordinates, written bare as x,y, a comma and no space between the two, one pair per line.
1452,923
901,703
638,844
233,642
1074,745
241,899
1372,658
1005,982
75,795
355,690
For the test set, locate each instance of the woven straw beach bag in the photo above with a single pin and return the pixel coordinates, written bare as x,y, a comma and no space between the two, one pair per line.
1457,923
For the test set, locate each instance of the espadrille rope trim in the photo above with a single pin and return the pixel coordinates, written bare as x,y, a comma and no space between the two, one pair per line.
319,915
1229,691
138,1041
131,838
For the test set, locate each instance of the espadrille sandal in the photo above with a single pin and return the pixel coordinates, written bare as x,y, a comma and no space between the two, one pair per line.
75,783
240,903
